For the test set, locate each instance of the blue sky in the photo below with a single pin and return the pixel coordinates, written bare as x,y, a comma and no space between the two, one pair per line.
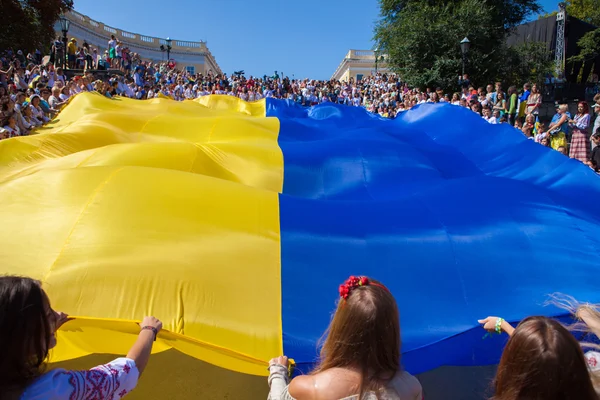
302,38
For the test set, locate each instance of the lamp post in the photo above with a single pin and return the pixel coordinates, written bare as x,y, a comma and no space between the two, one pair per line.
464,47
169,41
64,26
376,51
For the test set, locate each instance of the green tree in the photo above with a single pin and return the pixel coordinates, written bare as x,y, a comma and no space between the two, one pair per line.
29,24
421,38
589,46
585,10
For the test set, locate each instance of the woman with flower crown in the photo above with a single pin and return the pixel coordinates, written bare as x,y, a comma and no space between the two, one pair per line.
360,358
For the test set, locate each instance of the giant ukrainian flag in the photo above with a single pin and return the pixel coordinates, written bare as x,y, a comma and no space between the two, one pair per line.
234,223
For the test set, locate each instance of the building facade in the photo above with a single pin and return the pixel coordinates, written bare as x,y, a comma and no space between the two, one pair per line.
358,64
193,56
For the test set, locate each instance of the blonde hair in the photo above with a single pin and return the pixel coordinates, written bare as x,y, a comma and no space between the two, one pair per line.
591,324
530,116
563,107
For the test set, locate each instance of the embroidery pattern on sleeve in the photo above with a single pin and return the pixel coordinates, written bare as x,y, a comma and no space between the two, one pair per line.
99,383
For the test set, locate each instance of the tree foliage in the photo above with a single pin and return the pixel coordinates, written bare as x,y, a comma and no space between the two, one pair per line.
29,24
421,38
589,47
585,10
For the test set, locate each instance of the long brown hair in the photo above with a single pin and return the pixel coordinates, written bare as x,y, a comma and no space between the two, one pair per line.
543,361
25,333
364,334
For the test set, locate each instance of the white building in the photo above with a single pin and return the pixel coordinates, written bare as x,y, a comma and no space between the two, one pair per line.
193,56
359,63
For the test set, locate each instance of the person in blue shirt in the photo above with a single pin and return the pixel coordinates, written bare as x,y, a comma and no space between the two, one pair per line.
44,102
498,86
526,92
559,127
137,77
523,100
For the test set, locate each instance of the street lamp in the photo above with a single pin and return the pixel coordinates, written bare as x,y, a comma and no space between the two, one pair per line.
376,51
64,26
169,41
465,44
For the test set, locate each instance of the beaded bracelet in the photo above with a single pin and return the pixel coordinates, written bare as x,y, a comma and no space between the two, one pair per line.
498,327
151,328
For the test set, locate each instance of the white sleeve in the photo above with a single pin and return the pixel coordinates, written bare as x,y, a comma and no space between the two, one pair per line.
278,383
593,360
110,381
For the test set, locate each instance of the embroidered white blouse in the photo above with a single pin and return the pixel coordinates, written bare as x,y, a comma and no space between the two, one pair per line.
110,381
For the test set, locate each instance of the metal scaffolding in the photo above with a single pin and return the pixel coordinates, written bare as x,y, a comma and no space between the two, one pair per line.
559,60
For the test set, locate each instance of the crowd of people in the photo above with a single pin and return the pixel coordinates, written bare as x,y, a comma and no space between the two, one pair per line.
361,354
32,92
72,56
360,357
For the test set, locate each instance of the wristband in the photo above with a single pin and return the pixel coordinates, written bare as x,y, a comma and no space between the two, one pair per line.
151,328
498,327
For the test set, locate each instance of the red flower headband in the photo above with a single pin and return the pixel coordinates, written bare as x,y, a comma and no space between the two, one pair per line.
353,282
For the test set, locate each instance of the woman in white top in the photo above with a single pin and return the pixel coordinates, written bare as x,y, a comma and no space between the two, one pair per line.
360,358
27,333
36,110
455,101
64,94
244,94
55,100
9,108
11,126
534,101
29,118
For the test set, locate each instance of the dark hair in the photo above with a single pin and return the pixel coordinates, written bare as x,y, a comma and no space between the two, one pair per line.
543,361
365,333
512,90
25,333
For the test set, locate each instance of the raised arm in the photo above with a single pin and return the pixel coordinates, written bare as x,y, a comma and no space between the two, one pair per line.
590,317
140,351
9,71
110,381
497,325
